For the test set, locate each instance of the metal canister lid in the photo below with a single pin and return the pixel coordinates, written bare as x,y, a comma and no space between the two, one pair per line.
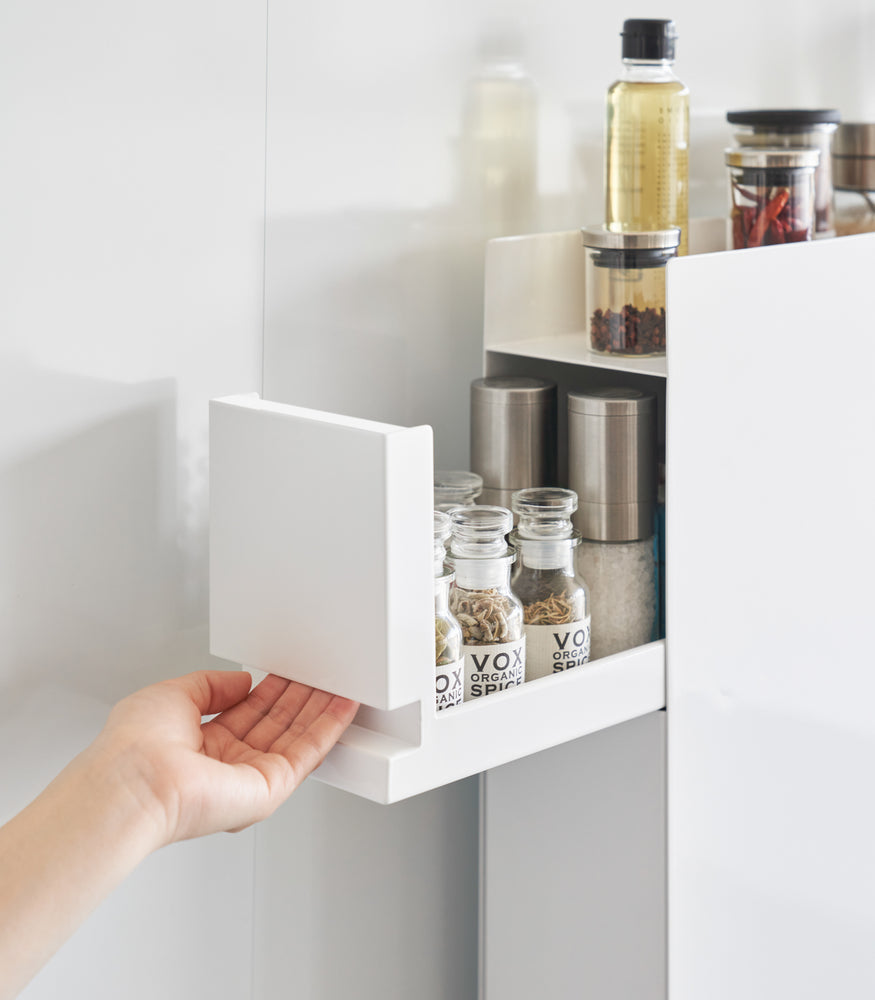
511,390
612,462
612,402
603,238
780,157
853,157
513,431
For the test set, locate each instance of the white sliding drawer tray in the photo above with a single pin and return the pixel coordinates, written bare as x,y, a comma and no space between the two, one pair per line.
321,571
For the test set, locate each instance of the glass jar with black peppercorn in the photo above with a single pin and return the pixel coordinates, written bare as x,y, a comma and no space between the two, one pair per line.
625,289
491,616
449,666
555,599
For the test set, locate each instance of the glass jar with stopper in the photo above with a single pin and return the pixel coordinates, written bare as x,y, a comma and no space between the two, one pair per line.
555,599
449,684
491,616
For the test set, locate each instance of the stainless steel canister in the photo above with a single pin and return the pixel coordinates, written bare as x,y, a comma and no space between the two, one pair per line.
513,435
612,462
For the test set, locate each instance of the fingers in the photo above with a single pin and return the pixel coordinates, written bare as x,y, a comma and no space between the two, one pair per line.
306,743
214,691
273,695
293,711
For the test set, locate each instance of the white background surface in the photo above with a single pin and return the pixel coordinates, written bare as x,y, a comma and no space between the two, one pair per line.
132,195
133,207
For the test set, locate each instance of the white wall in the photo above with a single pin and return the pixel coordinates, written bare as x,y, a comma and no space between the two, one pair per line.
132,144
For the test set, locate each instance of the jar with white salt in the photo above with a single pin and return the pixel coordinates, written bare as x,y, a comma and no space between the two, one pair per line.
612,465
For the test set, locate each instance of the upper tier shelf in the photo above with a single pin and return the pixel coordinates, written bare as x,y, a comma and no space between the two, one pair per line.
535,303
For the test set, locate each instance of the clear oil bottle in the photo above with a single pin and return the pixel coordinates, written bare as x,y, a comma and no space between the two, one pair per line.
647,138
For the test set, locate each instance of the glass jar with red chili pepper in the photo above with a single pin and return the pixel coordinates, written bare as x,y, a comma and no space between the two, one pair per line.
771,195
796,128
625,289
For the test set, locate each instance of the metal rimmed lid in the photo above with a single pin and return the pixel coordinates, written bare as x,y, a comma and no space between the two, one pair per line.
853,157
765,157
612,402
602,238
797,119
511,390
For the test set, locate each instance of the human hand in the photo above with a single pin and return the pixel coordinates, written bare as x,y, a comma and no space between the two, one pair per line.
195,778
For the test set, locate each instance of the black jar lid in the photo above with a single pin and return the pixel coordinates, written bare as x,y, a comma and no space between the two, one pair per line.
647,39
791,119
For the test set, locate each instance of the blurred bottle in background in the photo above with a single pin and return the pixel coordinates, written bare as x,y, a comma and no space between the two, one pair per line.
499,143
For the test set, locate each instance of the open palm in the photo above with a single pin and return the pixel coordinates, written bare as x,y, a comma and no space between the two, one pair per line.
200,777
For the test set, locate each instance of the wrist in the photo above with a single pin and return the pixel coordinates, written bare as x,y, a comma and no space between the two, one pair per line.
115,790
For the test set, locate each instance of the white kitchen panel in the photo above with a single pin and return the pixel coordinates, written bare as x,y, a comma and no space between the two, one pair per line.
771,744
573,870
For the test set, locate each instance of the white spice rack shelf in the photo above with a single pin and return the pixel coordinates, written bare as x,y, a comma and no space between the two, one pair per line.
330,583
284,599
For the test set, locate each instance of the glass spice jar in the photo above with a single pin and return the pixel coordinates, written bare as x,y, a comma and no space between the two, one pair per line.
796,129
555,599
853,165
454,488
625,289
449,666
771,195
491,616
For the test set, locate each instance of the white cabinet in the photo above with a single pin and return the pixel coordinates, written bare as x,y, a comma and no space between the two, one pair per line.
321,524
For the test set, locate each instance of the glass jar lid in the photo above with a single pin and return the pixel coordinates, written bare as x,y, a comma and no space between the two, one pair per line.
454,487
602,238
479,532
544,512
767,157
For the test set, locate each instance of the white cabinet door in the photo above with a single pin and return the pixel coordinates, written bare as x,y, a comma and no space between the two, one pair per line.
771,686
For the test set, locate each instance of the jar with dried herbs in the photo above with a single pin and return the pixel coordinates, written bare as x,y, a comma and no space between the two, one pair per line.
449,685
555,599
494,643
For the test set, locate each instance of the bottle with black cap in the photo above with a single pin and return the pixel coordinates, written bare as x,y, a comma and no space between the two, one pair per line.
647,139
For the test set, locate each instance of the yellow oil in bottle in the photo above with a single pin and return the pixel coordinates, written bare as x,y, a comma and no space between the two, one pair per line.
647,156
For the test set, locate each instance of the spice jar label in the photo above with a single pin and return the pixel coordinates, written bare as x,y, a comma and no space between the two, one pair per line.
550,649
489,669
448,685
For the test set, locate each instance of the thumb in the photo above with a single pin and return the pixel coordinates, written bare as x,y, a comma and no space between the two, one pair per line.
213,691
